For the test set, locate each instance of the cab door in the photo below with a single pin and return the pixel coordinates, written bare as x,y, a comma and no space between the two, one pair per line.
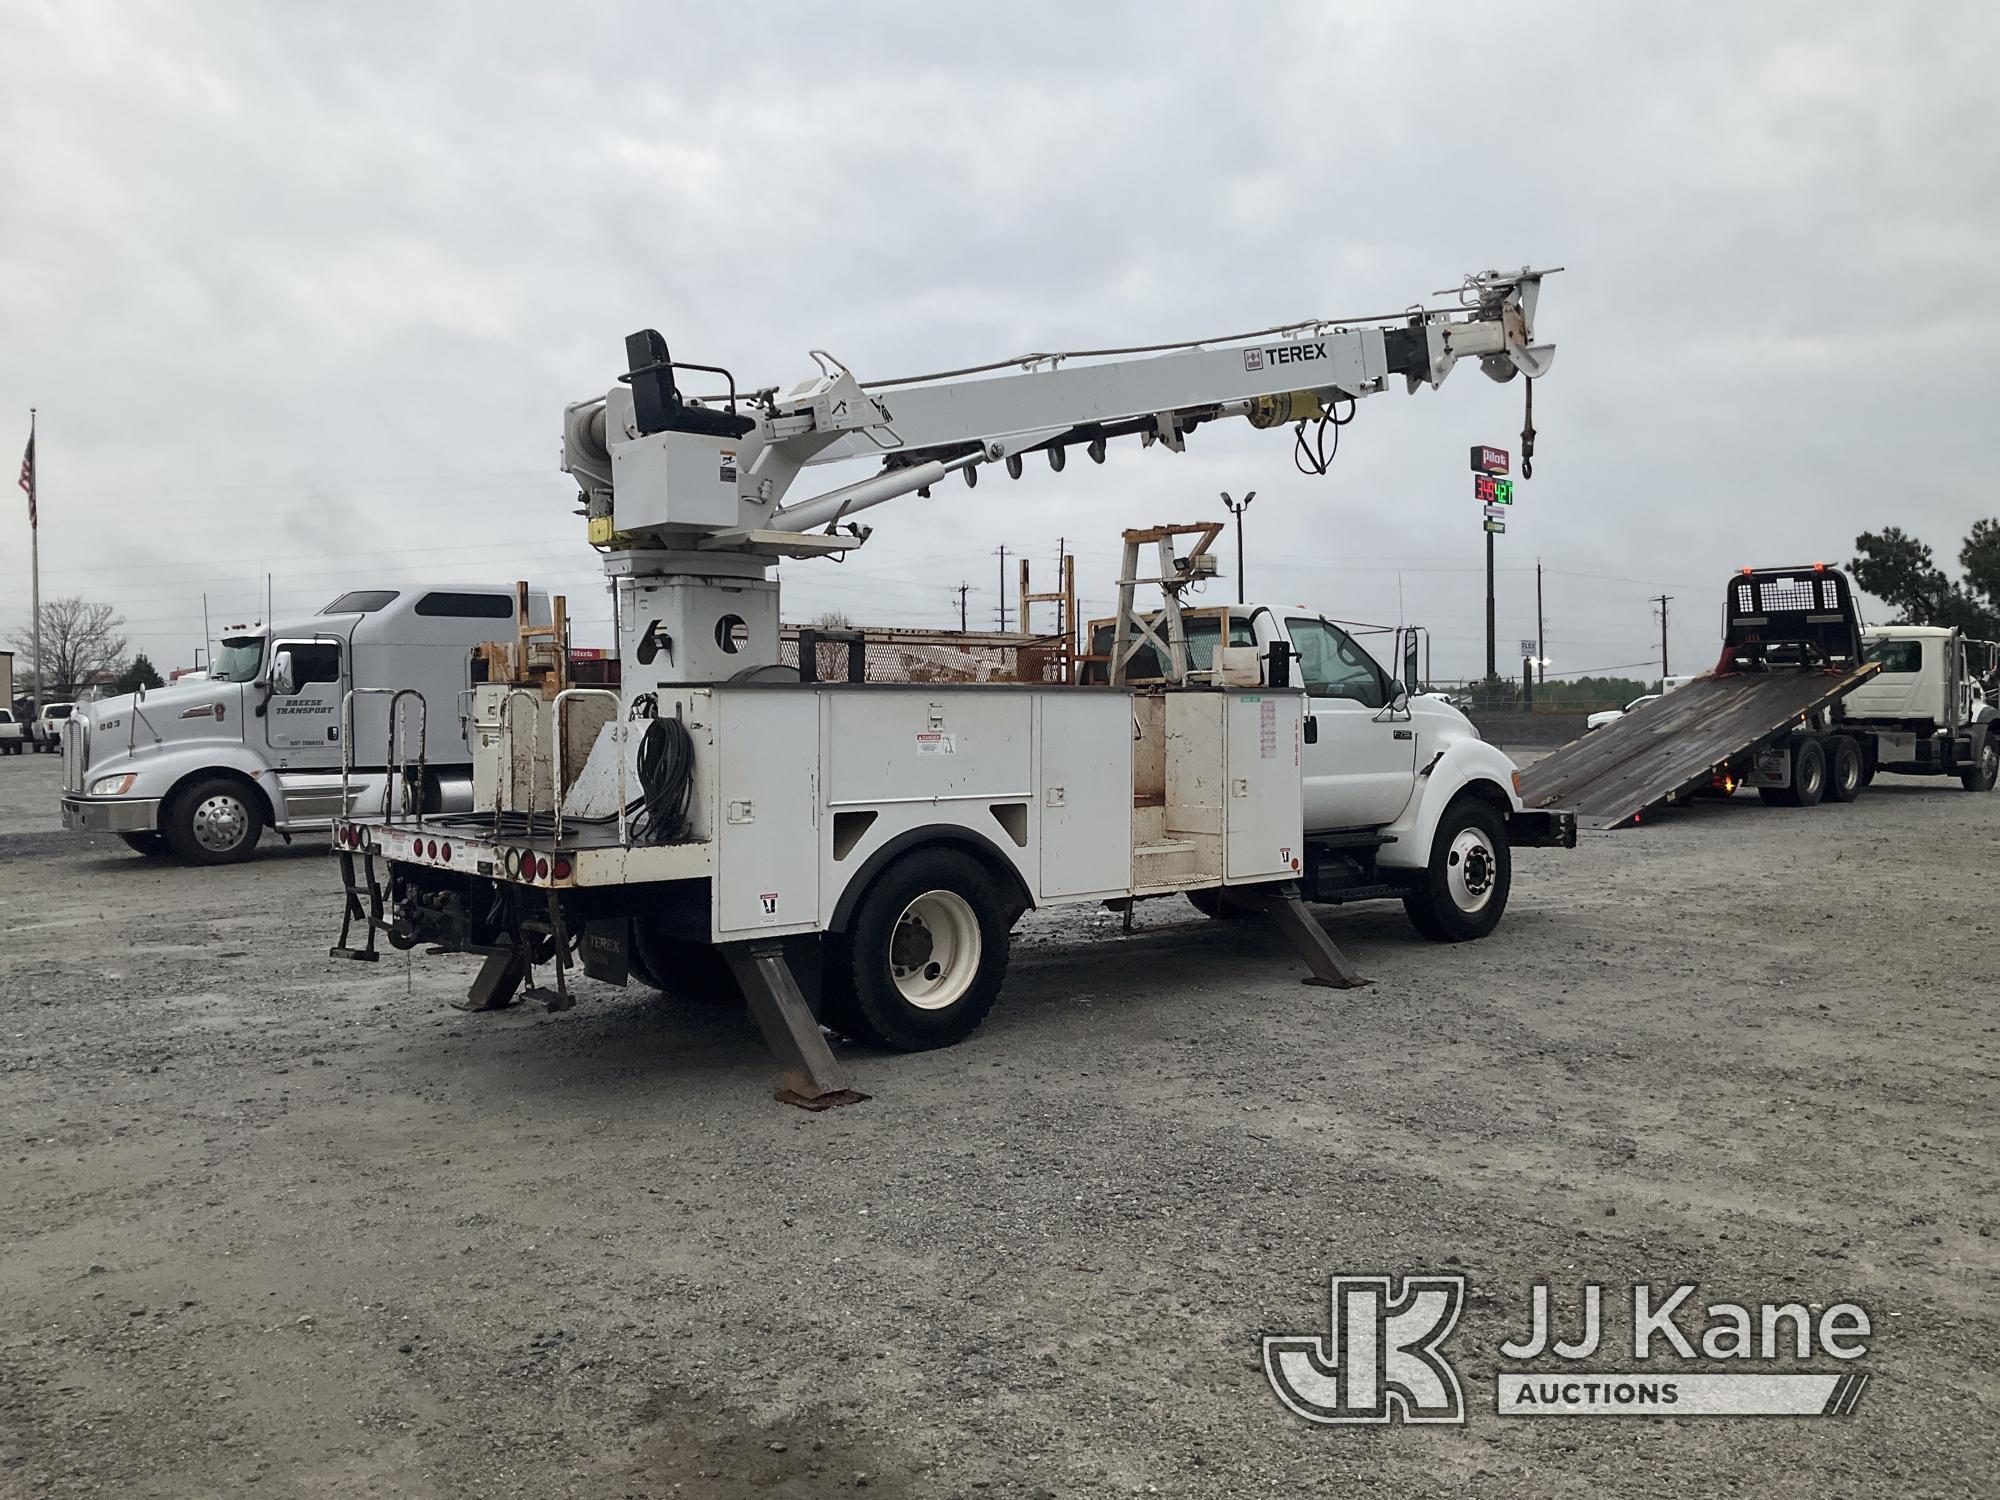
304,714
1360,762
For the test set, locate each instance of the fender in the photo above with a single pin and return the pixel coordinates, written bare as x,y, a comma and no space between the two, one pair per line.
159,770
977,845
1459,763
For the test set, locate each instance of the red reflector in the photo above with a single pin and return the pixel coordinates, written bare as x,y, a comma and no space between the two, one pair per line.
562,868
541,869
447,851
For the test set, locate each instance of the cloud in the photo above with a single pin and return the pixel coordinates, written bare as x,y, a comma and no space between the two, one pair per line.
304,290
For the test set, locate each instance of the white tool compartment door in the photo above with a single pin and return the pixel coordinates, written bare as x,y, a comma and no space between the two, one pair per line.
767,757
1084,758
1263,806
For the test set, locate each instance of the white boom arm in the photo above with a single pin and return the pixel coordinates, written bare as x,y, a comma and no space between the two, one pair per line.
660,471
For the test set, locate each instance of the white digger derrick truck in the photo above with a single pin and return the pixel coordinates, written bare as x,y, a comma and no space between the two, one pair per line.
857,853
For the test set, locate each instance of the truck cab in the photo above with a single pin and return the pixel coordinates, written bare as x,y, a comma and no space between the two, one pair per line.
1929,710
201,768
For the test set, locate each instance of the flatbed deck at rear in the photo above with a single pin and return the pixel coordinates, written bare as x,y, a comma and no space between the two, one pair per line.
1674,744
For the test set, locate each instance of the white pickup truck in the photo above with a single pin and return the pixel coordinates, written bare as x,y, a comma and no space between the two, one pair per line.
1403,799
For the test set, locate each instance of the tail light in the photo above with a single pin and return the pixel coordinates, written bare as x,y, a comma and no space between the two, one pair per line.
447,851
562,867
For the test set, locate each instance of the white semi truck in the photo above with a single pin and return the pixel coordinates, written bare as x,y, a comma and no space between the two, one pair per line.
857,853
200,769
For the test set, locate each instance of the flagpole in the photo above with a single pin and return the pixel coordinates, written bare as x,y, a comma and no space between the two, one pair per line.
35,560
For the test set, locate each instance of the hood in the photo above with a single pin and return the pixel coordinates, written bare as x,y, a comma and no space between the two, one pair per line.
165,716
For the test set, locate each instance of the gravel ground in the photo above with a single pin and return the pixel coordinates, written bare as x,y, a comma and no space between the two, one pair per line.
272,1220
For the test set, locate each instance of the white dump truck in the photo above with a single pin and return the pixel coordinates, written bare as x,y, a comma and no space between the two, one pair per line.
856,853
200,769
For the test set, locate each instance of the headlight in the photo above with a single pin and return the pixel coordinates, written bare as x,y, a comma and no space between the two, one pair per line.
113,786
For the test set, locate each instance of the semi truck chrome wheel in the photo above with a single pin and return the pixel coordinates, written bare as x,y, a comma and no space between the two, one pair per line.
213,822
934,953
220,822
1462,893
923,957
1982,773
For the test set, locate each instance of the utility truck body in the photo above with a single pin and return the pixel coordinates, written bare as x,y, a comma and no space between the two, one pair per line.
200,768
857,854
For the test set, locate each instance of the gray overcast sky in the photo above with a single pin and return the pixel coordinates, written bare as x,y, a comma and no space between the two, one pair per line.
304,289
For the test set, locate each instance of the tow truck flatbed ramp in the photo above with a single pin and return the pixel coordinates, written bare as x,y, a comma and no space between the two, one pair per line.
1673,744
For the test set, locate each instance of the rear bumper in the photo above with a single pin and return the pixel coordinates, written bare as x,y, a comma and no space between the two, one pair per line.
111,814
1541,830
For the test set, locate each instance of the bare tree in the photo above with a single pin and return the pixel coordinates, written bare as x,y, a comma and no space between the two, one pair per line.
78,640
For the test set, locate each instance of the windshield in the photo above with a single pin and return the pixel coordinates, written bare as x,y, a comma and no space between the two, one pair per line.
238,660
1897,657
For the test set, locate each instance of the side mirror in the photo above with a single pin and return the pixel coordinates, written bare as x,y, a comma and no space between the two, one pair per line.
1399,696
284,680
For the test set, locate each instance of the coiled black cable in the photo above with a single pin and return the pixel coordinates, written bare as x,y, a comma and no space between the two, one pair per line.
666,782
1319,458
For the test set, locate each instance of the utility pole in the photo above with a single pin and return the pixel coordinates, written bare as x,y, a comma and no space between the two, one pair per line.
28,483
1541,641
1491,673
1003,587
1236,509
961,591
1662,600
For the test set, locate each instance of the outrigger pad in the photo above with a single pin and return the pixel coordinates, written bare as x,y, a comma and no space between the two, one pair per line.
497,983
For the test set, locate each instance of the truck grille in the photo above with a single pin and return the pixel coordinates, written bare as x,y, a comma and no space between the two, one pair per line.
75,752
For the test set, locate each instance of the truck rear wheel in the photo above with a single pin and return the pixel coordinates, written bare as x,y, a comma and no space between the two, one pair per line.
214,822
1843,769
680,968
1985,767
924,958
1808,783
1464,889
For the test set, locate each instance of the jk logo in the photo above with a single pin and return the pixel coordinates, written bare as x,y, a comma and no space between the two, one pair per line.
1380,1359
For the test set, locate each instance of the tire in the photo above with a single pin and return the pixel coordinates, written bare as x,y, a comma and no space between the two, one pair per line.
680,968
1868,755
1843,769
1985,768
214,821
152,845
1465,887
923,960
1210,903
1808,783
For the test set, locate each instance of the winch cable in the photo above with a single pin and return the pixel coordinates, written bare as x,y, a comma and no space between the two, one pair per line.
666,782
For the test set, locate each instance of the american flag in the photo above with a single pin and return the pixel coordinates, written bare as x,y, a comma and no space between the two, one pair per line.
28,481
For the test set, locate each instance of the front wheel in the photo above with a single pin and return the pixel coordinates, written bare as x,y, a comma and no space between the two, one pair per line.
214,822
1985,770
924,958
152,845
1464,889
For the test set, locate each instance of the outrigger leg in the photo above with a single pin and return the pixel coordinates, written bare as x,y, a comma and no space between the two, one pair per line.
1302,930
813,1078
352,910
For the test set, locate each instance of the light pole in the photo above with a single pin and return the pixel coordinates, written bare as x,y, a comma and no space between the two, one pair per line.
1236,509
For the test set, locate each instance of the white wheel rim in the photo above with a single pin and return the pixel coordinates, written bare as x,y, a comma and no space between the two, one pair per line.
1471,870
220,823
934,950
